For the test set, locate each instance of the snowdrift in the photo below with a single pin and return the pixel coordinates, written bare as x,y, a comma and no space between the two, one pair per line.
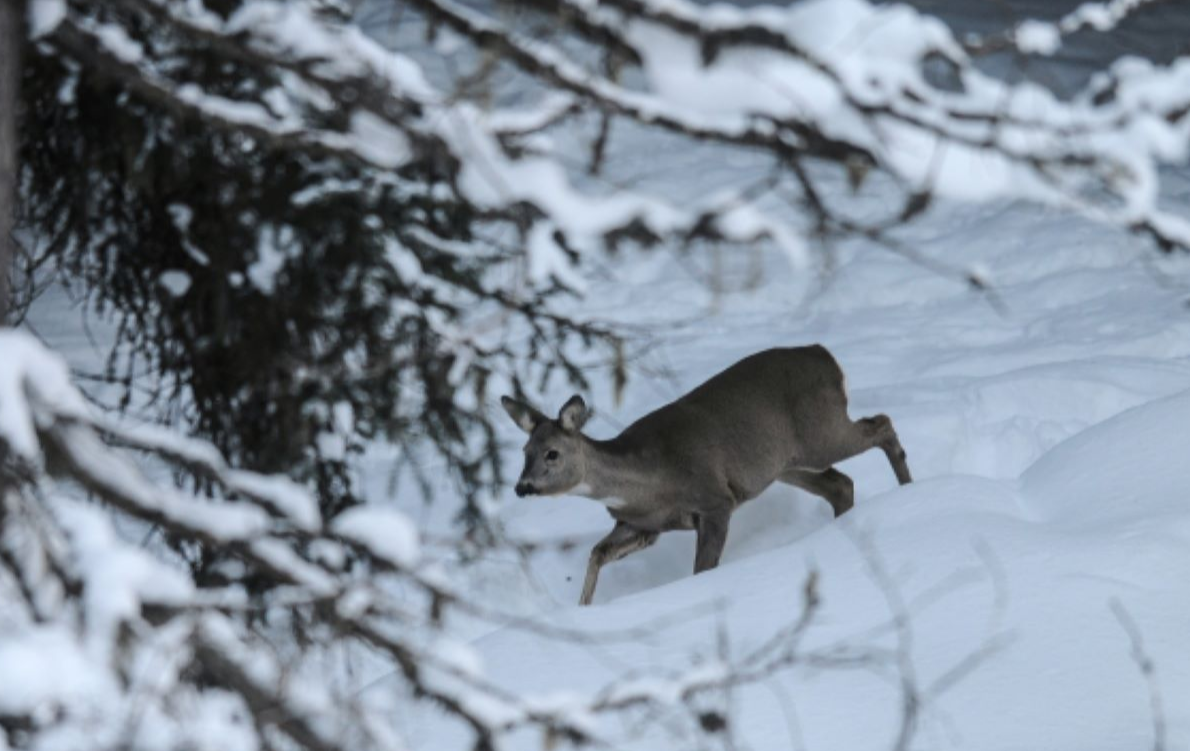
1012,638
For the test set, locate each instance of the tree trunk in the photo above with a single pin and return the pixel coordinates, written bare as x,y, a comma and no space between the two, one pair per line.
12,37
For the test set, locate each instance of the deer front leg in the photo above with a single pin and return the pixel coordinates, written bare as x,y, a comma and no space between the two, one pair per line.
712,536
621,541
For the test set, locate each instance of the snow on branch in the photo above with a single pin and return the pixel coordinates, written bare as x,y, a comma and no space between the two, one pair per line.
395,118
1035,37
796,83
802,84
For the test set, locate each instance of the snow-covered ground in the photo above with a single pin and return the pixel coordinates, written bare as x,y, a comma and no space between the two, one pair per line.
1047,436
1048,443
1046,425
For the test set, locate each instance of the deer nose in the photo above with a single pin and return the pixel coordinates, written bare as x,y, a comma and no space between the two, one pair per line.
525,488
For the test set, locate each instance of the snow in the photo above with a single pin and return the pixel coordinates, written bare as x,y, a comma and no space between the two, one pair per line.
528,120
176,282
1046,435
279,494
1046,428
547,261
1044,558
1125,467
1101,17
119,43
379,142
272,252
288,497
45,669
282,558
491,179
1038,37
31,373
44,16
847,67
387,534
230,110
293,28
117,577
220,723
331,445
182,216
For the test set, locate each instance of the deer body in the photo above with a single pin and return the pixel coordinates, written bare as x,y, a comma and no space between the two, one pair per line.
778,415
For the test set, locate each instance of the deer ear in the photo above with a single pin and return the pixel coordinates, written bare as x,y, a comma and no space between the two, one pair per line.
522,414
574,414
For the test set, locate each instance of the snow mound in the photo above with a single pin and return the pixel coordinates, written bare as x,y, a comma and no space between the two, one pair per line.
1131,465
1025,572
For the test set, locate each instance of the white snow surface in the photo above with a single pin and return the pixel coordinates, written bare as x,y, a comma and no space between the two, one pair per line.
1046,434
1047,441
1048,445
1029,565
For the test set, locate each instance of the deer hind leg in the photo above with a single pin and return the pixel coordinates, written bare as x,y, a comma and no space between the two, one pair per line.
621,541
879,431
854,438
831,484
875,432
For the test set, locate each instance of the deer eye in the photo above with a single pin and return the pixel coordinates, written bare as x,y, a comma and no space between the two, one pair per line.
551,455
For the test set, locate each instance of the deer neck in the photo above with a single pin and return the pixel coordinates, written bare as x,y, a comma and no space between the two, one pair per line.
613,473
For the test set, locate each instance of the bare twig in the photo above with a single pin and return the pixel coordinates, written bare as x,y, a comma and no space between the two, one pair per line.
1148,671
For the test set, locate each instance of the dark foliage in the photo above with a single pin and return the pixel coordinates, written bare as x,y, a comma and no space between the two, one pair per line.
298,321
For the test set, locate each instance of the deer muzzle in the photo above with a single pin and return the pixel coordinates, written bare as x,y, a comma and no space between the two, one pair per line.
524,488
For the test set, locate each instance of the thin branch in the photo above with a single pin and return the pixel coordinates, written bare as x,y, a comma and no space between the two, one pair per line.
1148,671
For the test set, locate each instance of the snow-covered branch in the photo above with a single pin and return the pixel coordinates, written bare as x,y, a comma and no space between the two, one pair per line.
796,83
1036,37
394,117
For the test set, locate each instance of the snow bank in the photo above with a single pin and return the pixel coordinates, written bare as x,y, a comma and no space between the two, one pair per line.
1045,438
1026,569
1134,465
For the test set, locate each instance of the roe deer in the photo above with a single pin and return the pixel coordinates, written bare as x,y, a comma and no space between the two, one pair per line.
780,415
